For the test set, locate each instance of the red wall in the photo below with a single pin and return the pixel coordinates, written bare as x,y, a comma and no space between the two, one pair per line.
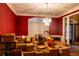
54,29
9,24
70,13
22,25
56,26
7,20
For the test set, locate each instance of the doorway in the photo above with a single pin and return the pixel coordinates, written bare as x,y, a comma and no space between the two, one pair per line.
74,29
38,25
71,29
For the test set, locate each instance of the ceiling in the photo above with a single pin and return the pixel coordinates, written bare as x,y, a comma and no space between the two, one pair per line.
42,9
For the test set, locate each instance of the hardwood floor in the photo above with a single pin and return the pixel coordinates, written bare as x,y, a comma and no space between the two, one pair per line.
74,50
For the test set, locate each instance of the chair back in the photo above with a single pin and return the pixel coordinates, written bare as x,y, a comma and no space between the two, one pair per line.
7,38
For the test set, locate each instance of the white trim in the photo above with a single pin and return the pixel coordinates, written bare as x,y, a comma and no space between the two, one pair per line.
11,7
27,14
67,30
72,10
63,29
73,14
56,35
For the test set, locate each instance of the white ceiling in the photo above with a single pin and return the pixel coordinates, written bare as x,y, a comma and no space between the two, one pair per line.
42,9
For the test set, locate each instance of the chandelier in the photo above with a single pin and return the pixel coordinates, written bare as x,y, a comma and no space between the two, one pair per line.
47,19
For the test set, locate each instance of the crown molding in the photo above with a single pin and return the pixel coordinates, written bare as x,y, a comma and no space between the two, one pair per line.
69,11
26,14
12,8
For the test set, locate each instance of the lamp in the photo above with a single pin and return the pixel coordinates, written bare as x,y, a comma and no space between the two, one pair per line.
23,37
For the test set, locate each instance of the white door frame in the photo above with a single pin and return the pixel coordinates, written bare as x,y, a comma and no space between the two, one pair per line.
67,26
